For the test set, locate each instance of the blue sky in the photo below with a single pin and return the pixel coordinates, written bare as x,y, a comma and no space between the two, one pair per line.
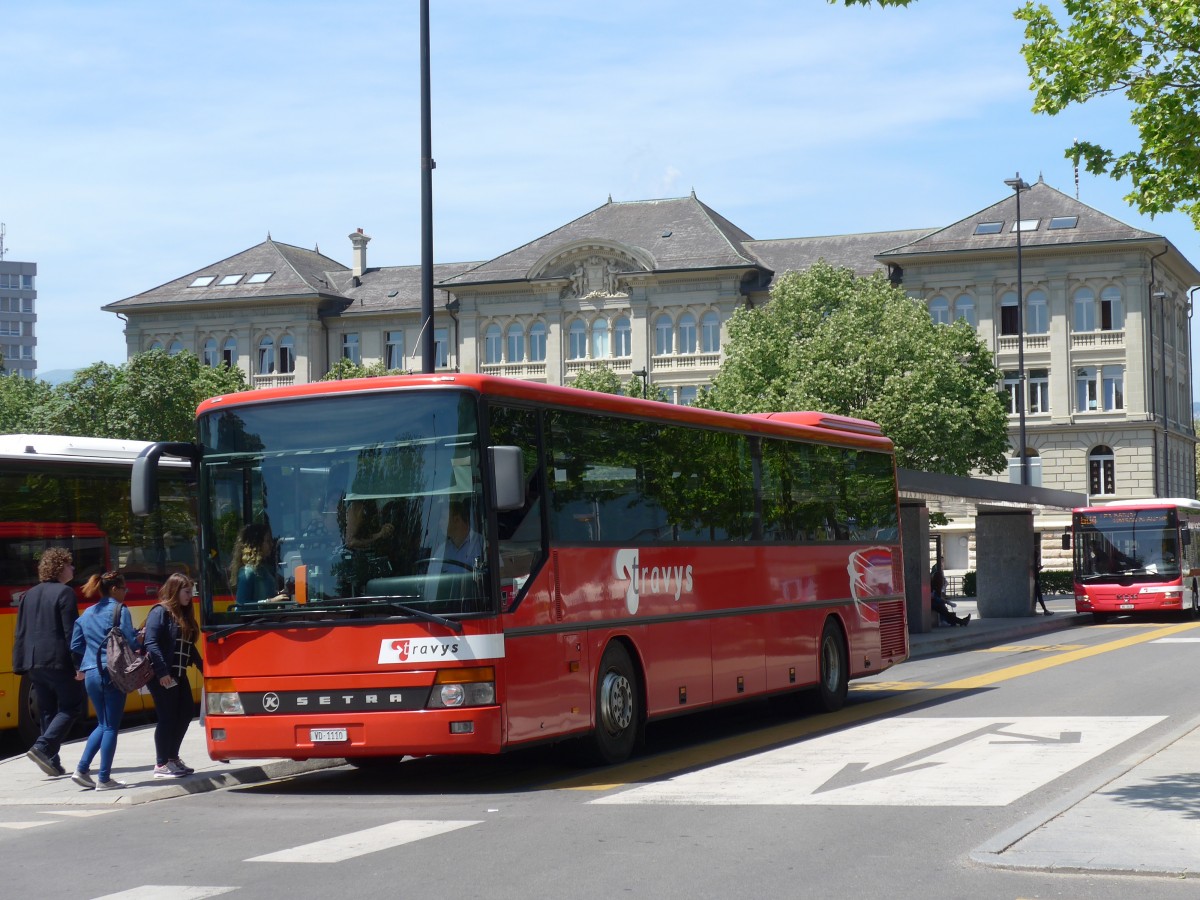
144,140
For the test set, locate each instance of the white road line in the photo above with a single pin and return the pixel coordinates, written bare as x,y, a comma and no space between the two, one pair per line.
360,843
902,762
167,892
79,813
18,826
1176,640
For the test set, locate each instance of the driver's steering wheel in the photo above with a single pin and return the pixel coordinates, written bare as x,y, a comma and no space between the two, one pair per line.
442,559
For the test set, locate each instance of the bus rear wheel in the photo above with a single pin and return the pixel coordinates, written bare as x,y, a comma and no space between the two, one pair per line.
618,708
834,673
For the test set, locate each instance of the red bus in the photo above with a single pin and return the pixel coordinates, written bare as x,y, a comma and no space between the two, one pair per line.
73,492
1134,556
467,564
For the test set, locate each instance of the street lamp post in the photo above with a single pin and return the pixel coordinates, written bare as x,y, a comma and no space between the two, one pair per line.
427,164
643,374
1018,185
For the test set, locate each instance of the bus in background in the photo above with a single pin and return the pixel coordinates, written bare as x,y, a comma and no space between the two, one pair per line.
467,564
1134,556
73,492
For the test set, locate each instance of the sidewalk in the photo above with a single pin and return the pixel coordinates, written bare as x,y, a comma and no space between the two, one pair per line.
980,632
22,783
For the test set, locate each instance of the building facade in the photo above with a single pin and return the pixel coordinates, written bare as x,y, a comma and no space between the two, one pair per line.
18,316
650,286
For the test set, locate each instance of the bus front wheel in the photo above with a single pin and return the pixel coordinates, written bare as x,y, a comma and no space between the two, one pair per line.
834,672
618,707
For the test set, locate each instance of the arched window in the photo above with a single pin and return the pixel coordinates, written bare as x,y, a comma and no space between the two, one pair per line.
174,348
577,340
622,338
1037,316
1035,468
710,333
1102,471
687,333
1008,313
516,343
229,352
493,345
537,342
287,354
664,333
1084,301
964,308
210,353
156,345
600,339
266,356
1112,312
939,310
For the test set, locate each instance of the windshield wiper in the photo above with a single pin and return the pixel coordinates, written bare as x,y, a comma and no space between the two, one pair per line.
392,603
228,629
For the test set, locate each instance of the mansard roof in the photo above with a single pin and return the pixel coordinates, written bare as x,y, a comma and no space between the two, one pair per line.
294,272
856,252
393,288
1041,203
671,235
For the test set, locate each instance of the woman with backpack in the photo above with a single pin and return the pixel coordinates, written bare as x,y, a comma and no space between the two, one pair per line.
88,648
171,632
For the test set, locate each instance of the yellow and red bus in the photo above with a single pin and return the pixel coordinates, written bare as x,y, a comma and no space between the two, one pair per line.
73,492
1137,556
527,563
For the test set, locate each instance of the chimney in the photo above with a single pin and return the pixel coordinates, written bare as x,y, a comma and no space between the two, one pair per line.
359,242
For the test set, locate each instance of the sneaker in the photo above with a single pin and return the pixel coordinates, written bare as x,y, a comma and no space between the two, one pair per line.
1048,612
111,785
43,762
58,768
180,765
83,779
168,770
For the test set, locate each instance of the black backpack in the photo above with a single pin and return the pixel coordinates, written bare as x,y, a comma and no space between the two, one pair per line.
128,669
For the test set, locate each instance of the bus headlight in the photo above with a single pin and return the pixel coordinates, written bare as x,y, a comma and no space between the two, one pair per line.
456,688
224,704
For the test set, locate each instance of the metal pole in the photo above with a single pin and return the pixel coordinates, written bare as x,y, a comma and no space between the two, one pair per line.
427,167
1018,186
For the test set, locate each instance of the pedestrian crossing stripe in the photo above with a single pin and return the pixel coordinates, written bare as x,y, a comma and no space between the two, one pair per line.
360,843
20,826
168,892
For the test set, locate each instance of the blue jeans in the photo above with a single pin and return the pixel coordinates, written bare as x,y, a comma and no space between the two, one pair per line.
110,707
60,703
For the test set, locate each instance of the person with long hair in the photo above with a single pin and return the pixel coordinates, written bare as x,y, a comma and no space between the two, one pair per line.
171,633
251,568
42,653
91,657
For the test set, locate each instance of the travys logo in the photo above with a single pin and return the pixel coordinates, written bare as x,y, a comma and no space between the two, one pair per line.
649,580
429,649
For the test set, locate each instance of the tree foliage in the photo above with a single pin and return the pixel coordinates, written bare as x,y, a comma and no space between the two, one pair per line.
833,342
603,379
347,368
152,397
1144,49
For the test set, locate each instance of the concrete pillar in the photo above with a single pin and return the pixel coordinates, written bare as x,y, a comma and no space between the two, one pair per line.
914,542
1004,553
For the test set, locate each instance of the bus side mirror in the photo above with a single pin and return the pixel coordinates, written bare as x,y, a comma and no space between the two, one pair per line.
1066,541
143,480
508,477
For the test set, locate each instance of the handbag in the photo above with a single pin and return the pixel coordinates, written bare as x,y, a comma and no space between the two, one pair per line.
128,669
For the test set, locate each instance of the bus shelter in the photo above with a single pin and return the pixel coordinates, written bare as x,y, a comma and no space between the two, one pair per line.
1005,550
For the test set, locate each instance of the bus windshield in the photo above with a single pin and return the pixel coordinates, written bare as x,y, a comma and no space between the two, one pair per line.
375,511
1119,543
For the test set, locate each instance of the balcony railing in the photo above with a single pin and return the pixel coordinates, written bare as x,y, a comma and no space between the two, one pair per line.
1032,342
1084,339
525,370
686,361
275,379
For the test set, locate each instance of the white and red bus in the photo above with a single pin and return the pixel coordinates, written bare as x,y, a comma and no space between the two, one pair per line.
73,492
1135,556
610,561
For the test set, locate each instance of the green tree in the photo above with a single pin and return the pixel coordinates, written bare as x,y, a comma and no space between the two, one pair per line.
347,368
1144,49
603,379
22,401
833,342
152,397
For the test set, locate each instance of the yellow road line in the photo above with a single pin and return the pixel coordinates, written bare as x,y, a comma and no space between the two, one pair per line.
660,766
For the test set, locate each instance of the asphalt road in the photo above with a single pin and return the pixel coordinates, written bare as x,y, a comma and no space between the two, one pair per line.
936,778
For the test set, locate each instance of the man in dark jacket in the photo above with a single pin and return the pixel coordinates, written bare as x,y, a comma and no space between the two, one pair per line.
42,653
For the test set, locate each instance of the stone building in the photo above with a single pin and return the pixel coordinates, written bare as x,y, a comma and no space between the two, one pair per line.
651,285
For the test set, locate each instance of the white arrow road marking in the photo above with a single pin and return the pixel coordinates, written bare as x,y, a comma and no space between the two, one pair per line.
903,762
360,843
167,892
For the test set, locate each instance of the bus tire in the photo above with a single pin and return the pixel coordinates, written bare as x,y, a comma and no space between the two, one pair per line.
618,708
29,724
833,669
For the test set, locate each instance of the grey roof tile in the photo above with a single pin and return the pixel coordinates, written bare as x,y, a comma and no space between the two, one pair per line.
856,252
